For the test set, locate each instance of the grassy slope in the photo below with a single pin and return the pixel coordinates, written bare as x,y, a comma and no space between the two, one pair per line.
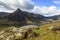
45,34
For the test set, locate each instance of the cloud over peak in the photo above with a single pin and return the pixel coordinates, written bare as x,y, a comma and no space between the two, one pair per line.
14,4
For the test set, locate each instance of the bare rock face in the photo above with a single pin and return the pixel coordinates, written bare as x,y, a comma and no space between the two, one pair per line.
14,33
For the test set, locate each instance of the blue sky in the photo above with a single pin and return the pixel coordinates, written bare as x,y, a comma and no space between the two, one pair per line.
46,3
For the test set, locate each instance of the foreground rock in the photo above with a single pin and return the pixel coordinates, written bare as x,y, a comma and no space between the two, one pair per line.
54,28
13,33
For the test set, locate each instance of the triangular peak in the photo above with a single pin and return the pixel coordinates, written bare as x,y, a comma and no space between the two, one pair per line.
18,10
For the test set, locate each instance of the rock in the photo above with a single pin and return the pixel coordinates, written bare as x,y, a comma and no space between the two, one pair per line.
30,26
54,28
50,28
14,33
2,37
11,33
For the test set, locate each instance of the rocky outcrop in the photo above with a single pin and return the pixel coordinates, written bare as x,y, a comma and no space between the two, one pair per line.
13,33
54,28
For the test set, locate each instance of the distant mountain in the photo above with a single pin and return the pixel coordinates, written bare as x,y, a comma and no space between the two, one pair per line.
3,14
21,16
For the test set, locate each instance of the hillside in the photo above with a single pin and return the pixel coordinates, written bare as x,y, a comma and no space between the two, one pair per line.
46,34
43,32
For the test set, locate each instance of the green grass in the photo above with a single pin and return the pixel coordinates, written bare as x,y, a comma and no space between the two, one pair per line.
45,34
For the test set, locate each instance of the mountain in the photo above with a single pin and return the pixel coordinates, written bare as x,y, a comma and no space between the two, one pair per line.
3,14
20,17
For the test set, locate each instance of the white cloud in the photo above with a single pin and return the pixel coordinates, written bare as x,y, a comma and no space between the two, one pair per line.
27,5
44,10
14,4
3,9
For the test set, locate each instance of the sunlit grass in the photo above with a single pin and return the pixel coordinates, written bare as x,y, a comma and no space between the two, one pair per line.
45,34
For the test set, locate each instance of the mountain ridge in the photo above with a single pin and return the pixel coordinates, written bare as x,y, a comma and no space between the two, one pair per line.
21,16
